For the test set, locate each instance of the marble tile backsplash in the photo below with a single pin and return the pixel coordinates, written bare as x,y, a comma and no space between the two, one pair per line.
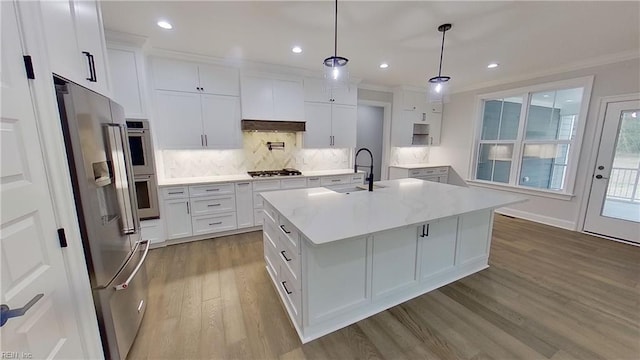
409,155
254,155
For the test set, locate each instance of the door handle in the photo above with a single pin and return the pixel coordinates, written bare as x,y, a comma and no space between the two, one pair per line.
92,66
600,177
284,255
133,274
6,313
284,230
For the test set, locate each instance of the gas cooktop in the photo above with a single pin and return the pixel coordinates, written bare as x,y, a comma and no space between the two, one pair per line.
268,173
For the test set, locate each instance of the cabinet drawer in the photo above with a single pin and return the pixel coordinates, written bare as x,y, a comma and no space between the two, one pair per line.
335,180
296,183
213,189
212,205
357,179
270,237
260,186
258,217
290,262
175,192
213,223
270,215
291,295
289,235
313,182
272,262
429,171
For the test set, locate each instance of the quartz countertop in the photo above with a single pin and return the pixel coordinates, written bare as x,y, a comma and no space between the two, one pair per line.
323,215
244,177
418,166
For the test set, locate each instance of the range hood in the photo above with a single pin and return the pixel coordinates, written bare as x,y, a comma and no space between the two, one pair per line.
270,125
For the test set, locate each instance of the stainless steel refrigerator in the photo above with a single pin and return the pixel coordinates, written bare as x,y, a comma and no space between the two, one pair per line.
102,178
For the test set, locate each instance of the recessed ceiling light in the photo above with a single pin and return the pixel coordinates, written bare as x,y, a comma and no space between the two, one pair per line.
296,49
492,65
165,25
384,66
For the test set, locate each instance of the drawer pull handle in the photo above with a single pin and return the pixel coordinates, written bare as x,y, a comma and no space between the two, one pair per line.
244,183
335,180
212,190
212,205
284,285
175,192
284,255
284,230
215,223
425,231
314,179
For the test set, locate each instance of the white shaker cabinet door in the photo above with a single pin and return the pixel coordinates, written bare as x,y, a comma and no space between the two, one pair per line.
318,127
244,204
178,218
344,125
124,67
221,121
175,75
288,100
62,45
219,80
345,95
91,40
178,120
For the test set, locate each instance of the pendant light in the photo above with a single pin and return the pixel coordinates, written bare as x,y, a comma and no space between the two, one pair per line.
336,73
438,84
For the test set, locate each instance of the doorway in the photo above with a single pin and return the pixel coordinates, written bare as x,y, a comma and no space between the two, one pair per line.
613,208
370,131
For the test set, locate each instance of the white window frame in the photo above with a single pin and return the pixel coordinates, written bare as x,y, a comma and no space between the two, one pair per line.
514,175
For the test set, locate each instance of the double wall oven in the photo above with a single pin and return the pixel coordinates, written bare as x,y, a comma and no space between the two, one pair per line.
143,168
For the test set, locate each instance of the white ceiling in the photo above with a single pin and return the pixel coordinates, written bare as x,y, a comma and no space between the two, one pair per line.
524,37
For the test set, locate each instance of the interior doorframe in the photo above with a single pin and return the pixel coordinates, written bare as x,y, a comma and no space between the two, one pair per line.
593,157
386,134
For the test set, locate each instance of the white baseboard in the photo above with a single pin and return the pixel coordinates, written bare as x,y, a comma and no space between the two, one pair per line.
564,224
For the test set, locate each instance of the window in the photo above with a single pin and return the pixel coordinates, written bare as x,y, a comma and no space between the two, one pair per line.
530,137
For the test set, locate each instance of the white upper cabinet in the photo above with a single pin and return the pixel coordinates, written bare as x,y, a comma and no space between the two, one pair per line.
318,126
75,42
415,122
127,76
176,75
314,91
219,80
221,121
330,125
178,120
344,124
271,97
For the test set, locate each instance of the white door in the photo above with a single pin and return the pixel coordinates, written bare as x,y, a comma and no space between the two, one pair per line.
244,204
257,97
178,120
221,121
32,268
219,80
175,75
318,127
124,70
614,203
344,124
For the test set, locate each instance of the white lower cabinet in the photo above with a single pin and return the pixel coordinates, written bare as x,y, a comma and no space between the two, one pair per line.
244,204
327,287
178,218
437,173
206,224
152,230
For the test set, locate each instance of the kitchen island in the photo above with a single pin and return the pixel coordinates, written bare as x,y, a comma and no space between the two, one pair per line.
338,257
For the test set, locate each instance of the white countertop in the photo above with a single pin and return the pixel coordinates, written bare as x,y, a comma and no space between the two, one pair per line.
418,166
241,177
323,215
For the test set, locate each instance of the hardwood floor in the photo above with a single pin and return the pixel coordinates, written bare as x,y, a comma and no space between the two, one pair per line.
549,293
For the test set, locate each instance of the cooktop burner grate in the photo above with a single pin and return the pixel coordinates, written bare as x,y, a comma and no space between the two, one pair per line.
268,173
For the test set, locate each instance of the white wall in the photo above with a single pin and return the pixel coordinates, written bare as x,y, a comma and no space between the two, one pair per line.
457,137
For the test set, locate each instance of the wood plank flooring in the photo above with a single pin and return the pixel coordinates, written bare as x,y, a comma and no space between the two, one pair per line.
549,294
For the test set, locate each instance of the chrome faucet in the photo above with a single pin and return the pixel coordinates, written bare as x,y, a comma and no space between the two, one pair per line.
355,167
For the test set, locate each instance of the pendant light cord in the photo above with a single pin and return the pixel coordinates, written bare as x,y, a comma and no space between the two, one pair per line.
335,33
441,52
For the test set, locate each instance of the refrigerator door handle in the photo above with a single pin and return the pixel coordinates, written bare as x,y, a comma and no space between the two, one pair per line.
125,284
133,198
121,178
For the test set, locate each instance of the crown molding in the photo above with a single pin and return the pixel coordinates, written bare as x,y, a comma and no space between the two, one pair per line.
374,87
123,38
579,65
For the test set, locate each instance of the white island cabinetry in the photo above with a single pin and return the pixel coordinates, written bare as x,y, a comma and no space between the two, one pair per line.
382,248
